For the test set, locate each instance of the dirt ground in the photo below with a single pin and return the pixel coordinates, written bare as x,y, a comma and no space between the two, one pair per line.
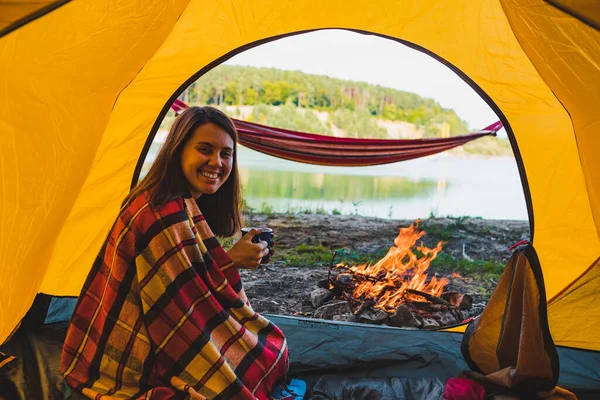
283,286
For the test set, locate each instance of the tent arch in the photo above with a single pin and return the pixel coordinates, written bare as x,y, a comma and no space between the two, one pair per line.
16,15
484,96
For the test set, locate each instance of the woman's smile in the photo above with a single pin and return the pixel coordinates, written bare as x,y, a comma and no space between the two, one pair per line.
209,175
207,159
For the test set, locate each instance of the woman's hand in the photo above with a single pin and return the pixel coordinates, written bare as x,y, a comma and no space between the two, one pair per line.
247,255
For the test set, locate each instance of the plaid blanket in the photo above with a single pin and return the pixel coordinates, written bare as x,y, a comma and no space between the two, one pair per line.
163,315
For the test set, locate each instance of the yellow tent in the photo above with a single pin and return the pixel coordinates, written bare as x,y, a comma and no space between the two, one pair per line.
83,85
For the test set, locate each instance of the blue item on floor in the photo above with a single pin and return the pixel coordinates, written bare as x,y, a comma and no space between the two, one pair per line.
295,390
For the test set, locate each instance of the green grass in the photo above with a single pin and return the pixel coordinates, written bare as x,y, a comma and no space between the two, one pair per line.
355,257
226,242
266,209
458,221
305,255
442,232
446,263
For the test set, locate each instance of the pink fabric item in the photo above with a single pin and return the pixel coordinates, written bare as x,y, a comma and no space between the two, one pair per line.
316,149
463,389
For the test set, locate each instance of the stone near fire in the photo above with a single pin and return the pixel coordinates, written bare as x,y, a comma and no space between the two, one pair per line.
345,279
445,318
466,303
323,283
345,317
351,318
372,316
327,311
404,318
430,323
320,296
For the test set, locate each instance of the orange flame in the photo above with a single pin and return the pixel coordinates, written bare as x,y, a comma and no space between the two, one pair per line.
398,270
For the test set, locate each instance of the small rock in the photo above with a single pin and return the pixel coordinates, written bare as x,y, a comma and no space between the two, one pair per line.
323,283
306,300
344,317
373,317
404,318
345,279
329,310
430,323
446,318
319,296
466,303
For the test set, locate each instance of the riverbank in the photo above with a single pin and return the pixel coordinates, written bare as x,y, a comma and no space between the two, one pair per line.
474,254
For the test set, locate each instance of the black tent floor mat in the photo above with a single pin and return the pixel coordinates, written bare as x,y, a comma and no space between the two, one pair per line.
341,388
335,359
319,348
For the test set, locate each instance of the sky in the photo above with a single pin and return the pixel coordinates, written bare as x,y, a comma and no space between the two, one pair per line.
367,58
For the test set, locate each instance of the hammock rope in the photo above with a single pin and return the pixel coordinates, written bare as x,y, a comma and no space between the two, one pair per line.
316,149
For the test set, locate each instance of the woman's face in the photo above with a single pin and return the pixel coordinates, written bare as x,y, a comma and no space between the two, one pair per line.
207,159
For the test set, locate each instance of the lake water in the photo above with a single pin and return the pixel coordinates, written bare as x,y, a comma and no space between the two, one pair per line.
441,185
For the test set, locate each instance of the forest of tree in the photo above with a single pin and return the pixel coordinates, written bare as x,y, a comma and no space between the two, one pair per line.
292,100
237,85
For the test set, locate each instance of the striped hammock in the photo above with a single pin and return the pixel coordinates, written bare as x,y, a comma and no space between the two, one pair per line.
316,149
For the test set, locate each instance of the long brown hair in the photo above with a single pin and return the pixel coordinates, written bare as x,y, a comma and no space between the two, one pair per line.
165,180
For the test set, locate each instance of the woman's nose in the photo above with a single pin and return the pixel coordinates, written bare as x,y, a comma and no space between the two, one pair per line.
216,160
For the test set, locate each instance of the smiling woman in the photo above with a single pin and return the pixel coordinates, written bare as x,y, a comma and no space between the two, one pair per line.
206,159
200,142
164,278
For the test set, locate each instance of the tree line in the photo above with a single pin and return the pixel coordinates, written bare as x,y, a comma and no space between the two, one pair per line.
229,85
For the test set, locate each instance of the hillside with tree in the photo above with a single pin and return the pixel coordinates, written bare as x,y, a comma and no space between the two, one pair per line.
321,104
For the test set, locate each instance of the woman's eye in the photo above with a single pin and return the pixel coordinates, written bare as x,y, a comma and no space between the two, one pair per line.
226,154
204,150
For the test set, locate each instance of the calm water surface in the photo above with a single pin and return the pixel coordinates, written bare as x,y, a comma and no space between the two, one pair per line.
440,185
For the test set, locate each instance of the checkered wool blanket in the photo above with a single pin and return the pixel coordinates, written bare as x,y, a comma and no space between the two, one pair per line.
163,315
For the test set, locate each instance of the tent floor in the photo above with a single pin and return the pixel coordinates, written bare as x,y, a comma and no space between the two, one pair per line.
337,360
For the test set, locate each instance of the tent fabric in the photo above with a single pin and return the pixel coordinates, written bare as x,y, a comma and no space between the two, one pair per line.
15,13
586,11
310,148
509,344
83,86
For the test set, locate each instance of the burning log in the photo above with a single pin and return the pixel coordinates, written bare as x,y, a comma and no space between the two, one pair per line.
367,304
390,290
426,306
386,281
429,297
463,301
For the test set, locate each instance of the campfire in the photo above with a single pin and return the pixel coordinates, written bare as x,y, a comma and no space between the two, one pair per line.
397,290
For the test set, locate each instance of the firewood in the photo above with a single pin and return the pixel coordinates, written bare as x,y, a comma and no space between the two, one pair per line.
427,306
367,304
429,297
463,301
